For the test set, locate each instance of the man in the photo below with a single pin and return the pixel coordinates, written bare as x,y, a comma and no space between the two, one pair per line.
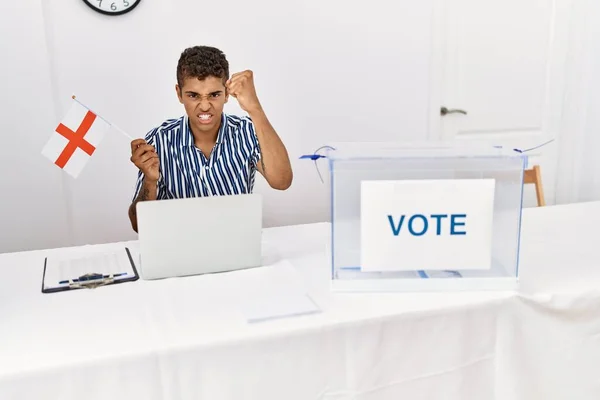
207,152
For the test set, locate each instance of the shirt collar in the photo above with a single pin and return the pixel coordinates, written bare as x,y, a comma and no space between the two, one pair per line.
188,136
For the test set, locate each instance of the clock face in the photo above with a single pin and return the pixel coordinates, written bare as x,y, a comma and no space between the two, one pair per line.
112,7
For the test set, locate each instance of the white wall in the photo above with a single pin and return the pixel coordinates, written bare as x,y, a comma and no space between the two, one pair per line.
578,162
32,207
323,75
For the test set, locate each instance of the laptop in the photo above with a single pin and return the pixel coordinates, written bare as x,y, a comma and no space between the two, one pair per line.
194,236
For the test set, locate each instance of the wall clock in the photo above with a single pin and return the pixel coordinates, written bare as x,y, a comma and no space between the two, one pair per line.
112,7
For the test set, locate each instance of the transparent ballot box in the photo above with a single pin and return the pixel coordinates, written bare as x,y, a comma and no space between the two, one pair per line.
424,217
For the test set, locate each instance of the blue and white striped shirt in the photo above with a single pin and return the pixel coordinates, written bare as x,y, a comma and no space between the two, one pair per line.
186,172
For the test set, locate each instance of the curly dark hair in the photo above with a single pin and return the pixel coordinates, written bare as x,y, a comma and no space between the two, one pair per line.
201,62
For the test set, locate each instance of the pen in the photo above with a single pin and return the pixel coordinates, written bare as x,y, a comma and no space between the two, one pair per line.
92,277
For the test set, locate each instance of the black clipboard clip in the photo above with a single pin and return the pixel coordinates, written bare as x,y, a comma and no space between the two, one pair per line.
91,281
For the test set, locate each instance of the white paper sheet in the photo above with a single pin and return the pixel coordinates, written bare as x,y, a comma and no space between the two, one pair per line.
273,306
60,269
276,292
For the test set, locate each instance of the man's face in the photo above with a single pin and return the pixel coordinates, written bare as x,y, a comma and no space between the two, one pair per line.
203,102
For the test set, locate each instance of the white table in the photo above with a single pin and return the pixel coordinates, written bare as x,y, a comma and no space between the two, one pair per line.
549,337
186,338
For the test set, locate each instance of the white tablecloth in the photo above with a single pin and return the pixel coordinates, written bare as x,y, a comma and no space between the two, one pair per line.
187,338
549,336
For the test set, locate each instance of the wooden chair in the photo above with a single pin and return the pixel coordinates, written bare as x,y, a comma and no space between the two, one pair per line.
534,176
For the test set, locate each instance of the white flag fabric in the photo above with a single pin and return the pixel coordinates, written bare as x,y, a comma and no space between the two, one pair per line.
75,139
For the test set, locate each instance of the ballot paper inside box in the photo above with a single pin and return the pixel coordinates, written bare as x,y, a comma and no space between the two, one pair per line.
420,217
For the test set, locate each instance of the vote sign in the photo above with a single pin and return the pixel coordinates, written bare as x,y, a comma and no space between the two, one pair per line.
426,224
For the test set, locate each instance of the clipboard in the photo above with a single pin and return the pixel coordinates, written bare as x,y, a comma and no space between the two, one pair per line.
106,268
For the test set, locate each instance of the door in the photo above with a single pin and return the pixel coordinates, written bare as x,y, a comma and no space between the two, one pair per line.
499,77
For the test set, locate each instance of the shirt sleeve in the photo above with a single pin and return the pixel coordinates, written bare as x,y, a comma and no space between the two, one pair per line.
150,139
255,152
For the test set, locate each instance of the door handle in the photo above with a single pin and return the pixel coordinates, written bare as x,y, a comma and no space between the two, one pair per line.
444,111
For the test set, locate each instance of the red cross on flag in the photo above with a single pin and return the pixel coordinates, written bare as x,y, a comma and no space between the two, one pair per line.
75,139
